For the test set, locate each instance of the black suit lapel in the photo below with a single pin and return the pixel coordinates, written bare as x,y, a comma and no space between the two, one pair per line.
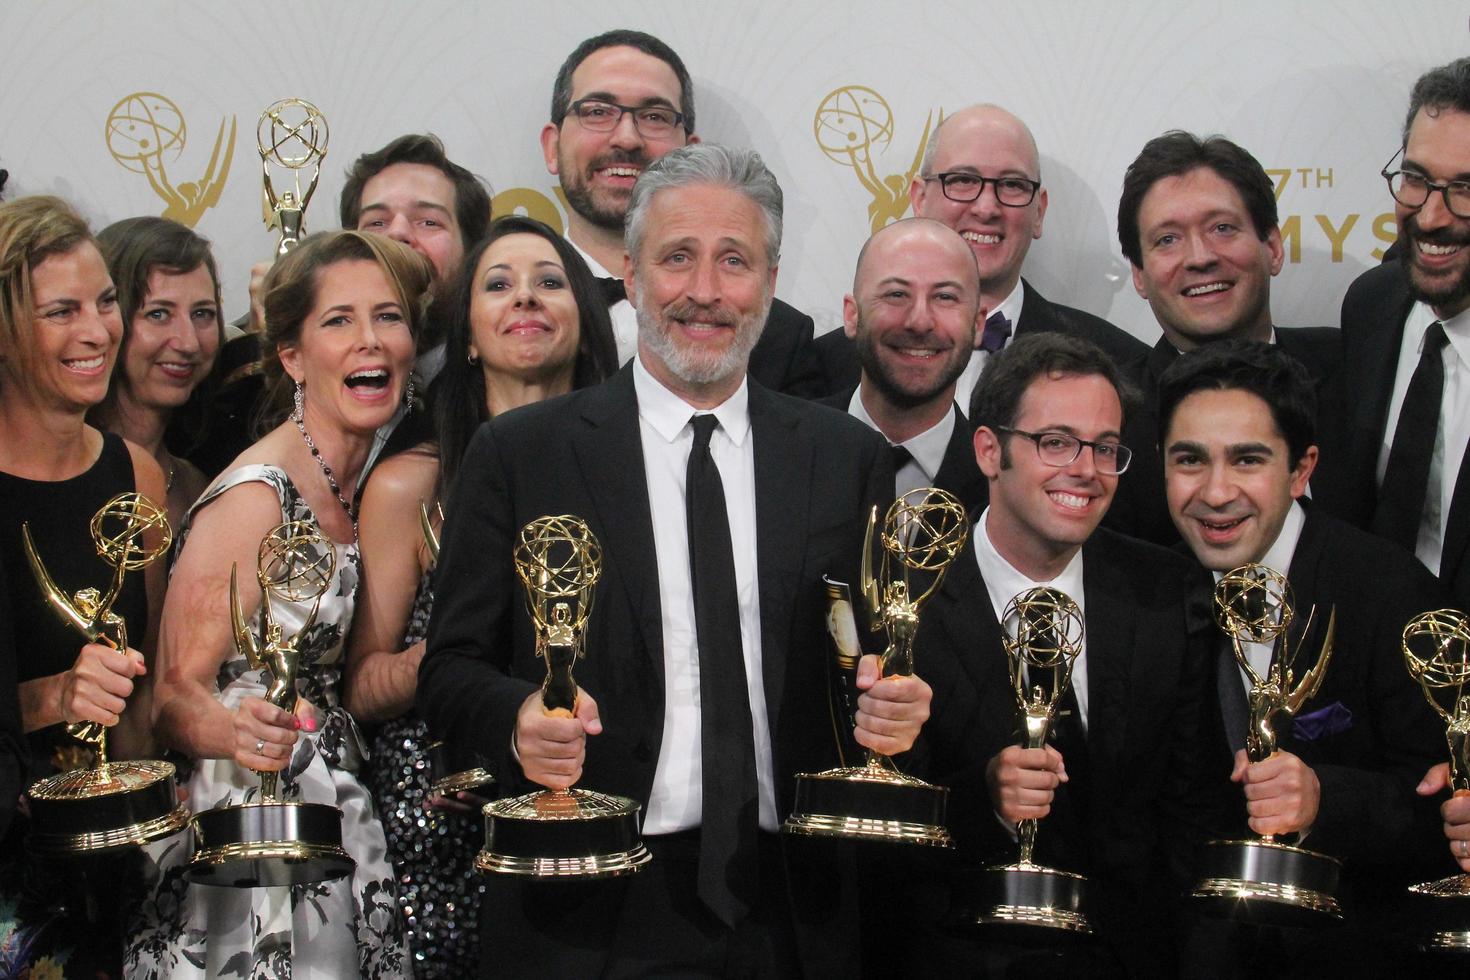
1457,531
783,478
1115,664
959,473
1313,598
968,625
609,450
1036,312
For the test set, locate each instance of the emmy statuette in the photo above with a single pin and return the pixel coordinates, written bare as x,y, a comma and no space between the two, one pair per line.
108,805
923,531
569,833
451,769
292,136
1042,634
268,842
1265,880
1437,653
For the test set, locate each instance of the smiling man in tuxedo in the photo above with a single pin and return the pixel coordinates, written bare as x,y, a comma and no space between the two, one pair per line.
719,506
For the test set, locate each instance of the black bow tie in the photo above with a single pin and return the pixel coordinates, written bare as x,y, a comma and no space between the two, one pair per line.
613,290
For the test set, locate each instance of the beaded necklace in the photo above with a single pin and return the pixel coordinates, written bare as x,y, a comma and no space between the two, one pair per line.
316,454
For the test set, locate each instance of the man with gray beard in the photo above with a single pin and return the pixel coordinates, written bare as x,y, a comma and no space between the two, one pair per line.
719,506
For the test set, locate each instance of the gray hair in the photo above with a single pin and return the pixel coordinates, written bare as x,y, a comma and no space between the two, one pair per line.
707,163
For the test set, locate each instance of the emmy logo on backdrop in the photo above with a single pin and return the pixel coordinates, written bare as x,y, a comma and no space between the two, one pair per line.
922,534
145,128
850,124
106,805
1264,879
268,841
567,833
1437,653
291,137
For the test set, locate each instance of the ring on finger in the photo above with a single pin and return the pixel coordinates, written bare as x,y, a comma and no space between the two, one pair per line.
260,746
1464,848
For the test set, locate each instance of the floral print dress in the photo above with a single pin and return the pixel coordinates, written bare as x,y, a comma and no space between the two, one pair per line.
323,931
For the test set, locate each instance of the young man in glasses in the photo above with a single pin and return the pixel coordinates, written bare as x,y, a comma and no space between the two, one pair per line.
1121,781
1237,427
981,176
1197,220
621,100
1406,349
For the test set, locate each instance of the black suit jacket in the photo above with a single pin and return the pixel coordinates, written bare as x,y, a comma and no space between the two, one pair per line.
783,359
958,473
1369,762
1148,801
1140,508
837,358
817,474
1373,314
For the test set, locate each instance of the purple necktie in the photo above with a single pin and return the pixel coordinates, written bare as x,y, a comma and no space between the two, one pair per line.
997,332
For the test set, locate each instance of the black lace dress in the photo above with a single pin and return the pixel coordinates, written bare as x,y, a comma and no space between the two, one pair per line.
432,849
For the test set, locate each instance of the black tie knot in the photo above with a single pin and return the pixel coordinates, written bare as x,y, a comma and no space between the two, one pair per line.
704,426
901,457
613,291
1435,338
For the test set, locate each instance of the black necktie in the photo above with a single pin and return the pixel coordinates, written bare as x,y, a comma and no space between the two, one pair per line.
1406,478
730,808
901,457
997,331
612,288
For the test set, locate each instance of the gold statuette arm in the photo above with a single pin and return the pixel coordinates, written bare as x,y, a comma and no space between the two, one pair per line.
1312,682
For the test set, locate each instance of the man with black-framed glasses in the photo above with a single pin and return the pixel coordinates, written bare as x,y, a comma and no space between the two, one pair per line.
1405,399
981,175
1120,786
620,101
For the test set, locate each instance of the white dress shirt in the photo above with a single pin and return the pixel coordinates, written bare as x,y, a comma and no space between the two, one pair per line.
663,425
1004,582
1454,421
1278,558
964,389
927,449
624,317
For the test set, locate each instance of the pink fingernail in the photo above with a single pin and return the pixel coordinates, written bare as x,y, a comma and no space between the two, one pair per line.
310,724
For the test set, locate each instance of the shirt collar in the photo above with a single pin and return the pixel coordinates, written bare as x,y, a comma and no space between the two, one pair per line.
1004,581
669,414
1456,329
593,264
927,448
1010,307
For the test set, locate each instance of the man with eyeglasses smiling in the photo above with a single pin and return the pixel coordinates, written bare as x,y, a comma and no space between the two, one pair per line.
981,175
621,100
1122,774
1401,472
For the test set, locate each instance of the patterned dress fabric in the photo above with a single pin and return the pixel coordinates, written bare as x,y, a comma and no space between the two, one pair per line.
323,931
432,849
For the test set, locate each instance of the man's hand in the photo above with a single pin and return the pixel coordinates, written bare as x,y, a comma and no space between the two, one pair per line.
1023,782
1281,793
552,747
1455,811
891,710
98,684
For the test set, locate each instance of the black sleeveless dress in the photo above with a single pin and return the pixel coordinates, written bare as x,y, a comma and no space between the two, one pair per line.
51,916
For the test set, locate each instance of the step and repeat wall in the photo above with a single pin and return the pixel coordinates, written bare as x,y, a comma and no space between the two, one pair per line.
152,108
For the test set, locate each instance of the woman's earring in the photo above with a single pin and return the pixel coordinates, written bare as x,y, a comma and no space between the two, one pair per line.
408,394
299,399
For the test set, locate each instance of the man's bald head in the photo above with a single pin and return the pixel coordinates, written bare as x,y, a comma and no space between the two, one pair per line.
981,176
906,233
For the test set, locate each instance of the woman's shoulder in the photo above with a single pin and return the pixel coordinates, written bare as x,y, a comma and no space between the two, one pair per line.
407,476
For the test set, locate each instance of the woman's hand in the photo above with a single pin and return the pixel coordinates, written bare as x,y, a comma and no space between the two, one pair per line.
98,684
264,735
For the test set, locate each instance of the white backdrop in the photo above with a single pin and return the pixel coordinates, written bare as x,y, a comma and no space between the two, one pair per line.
1316,91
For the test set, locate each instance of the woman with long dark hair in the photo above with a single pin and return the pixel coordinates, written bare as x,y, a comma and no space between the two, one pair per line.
527,324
